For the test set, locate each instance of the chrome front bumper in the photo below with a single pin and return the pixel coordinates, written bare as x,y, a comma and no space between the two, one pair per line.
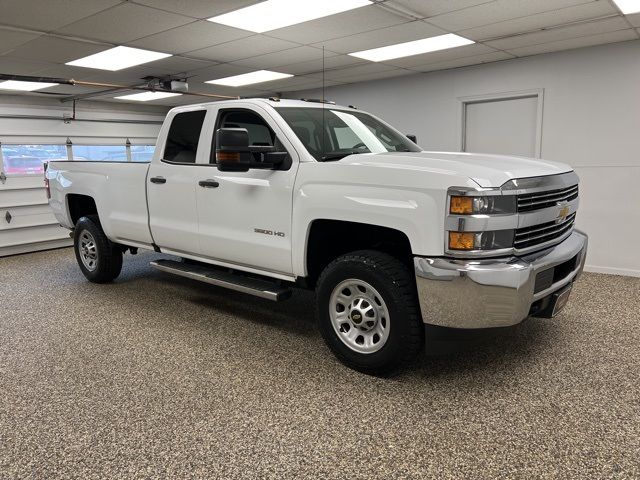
492,293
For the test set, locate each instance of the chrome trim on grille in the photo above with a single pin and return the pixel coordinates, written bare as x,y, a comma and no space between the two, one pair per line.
535,201
542,233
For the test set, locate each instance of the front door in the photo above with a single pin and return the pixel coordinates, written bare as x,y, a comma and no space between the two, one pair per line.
246,218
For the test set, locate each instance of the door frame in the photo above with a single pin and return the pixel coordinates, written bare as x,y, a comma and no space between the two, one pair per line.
537,93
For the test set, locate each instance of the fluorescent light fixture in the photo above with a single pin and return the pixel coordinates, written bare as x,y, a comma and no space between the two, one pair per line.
118,58
25,86
273,14
432,44
148,96
628,6
258,76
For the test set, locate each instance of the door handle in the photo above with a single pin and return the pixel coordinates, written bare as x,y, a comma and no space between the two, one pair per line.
158,180
209,183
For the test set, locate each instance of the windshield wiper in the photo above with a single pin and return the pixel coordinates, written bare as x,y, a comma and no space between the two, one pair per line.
339,155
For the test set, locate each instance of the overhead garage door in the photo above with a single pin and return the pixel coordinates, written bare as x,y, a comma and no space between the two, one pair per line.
26,221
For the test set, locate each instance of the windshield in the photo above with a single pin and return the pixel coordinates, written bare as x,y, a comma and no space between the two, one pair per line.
344,133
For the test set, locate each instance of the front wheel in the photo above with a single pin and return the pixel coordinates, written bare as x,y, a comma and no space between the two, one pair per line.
99,259
368,312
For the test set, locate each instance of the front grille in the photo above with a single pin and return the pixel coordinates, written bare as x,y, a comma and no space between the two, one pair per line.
536,201
531,236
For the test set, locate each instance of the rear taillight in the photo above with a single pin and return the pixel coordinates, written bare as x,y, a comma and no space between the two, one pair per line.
46,181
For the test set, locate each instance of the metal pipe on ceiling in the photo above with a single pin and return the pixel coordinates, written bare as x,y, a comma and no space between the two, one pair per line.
114,86
67,119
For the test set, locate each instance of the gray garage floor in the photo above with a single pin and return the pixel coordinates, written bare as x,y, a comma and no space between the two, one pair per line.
158,377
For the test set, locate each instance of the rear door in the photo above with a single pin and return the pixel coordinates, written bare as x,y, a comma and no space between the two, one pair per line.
172,183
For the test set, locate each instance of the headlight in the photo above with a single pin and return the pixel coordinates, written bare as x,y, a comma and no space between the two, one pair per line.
482,205
494,240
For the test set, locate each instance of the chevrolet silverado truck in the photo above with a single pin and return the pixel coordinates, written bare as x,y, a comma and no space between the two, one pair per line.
266,195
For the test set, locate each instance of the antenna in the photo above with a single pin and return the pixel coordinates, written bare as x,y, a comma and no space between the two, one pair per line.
323,100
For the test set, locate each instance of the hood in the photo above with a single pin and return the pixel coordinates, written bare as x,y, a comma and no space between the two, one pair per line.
484,169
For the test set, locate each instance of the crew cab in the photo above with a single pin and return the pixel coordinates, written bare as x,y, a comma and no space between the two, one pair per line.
266,195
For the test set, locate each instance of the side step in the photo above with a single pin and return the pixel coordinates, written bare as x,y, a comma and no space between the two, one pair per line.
222,278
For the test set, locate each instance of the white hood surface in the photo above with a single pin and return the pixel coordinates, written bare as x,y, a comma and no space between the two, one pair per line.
484,169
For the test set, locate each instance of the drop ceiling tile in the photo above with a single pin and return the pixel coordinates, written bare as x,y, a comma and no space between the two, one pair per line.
284,57
634,19
215,72
52,49
398,72
20,66
382,37
199,8
243,48
440,56
10,39
315,66
193,36
610,37
558,34
124,23
285,84
463,62
438,7
169,66
250,90
497,11
69,89
541,20
350,22
49,15
357,70
311,85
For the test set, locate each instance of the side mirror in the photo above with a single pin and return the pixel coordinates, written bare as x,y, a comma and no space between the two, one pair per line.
413,138
234,154
232,150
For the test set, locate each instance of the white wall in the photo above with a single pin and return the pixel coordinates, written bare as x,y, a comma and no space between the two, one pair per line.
591,120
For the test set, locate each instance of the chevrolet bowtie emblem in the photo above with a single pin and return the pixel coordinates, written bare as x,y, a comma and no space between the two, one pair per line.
563,213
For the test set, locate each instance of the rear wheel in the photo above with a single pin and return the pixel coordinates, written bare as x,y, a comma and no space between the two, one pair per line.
368,312
99,259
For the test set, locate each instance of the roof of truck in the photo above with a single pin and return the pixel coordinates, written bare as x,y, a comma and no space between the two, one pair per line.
274,102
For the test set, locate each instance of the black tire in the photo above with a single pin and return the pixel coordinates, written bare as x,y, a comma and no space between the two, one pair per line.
396,284
108,261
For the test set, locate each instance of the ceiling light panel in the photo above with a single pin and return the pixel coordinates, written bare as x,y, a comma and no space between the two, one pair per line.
25,86
416,47
147,96
250,78
628,6
118,58
274,14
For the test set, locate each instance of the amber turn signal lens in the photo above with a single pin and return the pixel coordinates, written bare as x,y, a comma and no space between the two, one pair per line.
461,240
228,156
461,205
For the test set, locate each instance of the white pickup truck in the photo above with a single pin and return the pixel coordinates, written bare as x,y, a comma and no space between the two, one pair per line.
264,195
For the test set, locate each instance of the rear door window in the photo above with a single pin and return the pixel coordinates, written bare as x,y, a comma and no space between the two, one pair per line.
184,134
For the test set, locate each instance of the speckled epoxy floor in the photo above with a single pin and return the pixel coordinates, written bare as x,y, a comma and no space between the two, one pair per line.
159,377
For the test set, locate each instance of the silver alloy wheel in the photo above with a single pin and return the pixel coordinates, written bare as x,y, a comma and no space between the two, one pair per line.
359,316
88,251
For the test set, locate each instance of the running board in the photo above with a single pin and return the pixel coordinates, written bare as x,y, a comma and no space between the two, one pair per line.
221,278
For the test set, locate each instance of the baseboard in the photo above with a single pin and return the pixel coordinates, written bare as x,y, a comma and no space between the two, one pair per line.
627,272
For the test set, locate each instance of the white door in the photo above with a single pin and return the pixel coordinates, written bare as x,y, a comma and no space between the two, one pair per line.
171,186
505,125
246,219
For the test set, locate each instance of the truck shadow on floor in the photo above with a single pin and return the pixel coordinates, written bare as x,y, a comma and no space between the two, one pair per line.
446,350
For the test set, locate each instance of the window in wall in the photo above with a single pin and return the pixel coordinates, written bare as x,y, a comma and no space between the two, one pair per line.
183,138
101,153
142,153
28,159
